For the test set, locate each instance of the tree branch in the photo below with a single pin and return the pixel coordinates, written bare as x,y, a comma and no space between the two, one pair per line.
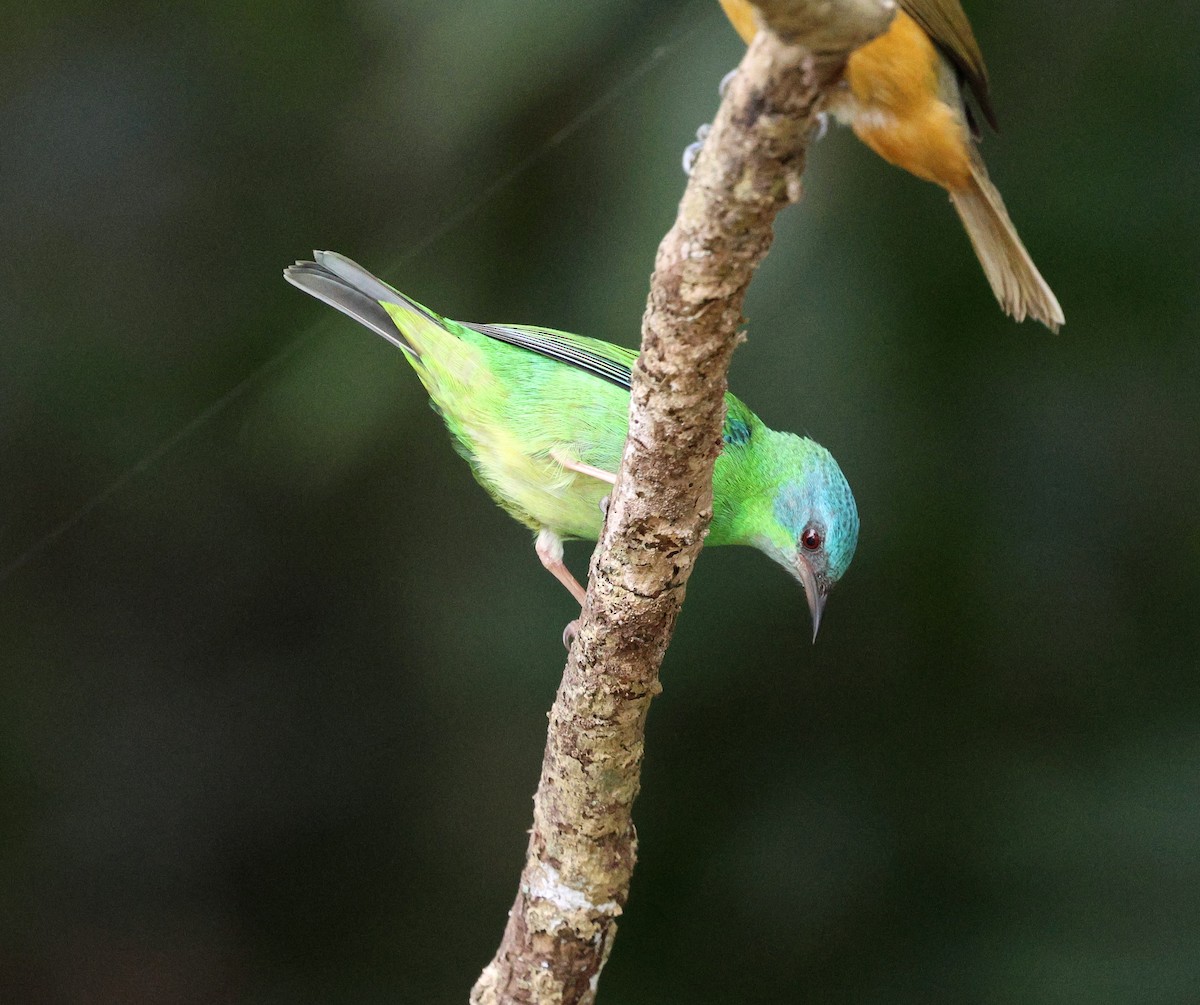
582,847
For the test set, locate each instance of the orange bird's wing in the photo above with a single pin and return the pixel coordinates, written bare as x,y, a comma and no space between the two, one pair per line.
946,23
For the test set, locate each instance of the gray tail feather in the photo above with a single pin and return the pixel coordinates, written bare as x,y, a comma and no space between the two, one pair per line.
346,285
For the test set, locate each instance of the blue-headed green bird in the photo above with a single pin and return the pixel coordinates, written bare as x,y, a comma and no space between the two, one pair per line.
542,416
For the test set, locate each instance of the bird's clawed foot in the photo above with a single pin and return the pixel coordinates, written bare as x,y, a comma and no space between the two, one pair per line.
822,126
692,151
570,632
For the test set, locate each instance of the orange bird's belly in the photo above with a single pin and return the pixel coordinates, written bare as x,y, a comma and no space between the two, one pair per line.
897,105
741,16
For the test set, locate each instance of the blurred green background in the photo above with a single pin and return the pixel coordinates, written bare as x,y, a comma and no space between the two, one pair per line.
272,712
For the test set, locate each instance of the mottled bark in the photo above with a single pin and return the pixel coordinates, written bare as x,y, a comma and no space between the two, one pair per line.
582,847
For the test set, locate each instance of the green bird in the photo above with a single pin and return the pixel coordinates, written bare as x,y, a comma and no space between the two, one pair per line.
542,416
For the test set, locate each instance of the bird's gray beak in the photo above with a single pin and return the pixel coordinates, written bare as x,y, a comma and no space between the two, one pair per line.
816,593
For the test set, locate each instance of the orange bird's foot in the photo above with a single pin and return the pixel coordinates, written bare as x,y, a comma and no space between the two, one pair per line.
692,150
822,126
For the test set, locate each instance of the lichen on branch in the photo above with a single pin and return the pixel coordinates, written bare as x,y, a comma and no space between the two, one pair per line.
583,846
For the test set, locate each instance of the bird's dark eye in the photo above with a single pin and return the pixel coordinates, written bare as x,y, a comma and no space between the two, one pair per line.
811,538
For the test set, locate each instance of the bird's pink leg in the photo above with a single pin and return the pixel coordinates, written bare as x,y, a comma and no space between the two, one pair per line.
550,550
549,545
582,469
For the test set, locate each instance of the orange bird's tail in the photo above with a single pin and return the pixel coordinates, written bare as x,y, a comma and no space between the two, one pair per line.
1014,278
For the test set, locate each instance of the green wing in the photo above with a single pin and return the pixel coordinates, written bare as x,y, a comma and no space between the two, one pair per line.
605,360
611,362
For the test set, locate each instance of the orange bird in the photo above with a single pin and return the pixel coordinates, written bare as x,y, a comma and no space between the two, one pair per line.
903,97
